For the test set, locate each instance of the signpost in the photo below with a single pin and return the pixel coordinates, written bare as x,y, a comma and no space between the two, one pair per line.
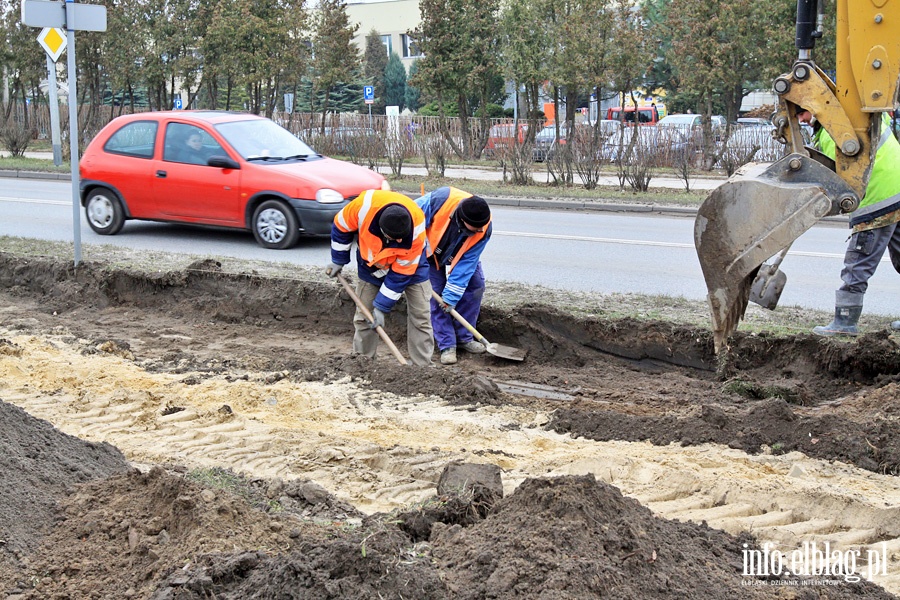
74,17
53,40
369,97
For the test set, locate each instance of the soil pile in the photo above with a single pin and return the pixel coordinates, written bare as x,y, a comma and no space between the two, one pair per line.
201,374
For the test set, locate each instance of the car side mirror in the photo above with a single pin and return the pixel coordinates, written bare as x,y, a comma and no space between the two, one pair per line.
223,162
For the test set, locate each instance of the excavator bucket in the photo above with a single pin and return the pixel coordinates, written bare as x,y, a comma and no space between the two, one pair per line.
751,217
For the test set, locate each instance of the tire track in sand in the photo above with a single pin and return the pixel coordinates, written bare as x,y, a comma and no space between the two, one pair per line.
380,451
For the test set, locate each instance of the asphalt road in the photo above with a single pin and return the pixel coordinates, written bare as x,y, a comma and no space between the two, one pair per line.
565,249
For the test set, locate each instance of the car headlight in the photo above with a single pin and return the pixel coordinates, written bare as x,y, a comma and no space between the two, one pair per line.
385,186
329,196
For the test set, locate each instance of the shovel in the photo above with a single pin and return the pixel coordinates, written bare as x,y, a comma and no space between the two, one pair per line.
507,352
769,283
368,315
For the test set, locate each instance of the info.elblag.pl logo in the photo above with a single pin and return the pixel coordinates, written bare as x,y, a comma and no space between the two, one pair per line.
814,560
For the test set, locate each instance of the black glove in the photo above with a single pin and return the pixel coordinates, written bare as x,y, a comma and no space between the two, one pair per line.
333,269
377,318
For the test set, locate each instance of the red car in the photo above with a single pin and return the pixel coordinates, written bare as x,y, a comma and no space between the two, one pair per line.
215,168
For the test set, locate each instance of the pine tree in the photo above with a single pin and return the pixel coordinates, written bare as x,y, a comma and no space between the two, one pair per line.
395,82
374,63
413,97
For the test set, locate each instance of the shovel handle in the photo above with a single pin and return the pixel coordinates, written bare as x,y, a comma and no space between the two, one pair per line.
777,262
368,315
461,319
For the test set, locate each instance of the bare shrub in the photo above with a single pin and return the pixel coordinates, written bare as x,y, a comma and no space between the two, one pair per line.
586,146
516,160
15,137
435,149
400,144
635,164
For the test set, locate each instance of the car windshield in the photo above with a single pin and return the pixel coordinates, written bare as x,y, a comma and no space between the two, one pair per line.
549,132
263,140
678,120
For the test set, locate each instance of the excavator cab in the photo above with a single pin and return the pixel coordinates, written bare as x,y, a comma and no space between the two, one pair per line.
764,207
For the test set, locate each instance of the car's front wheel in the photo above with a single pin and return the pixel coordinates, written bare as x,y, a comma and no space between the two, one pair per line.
104,212
275,225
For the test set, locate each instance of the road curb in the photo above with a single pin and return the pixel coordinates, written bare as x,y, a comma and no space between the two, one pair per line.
35,175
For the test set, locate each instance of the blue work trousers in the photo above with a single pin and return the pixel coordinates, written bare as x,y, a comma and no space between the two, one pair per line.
448,332
864,252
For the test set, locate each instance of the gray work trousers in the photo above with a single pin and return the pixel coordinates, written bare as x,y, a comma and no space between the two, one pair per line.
419,334
864,252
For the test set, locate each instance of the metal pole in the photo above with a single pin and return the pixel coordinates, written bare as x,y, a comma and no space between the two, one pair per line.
54,111
73,127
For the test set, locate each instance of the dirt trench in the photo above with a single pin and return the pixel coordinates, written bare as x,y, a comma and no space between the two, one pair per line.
199,369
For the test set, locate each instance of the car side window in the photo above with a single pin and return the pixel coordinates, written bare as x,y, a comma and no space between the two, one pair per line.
135,139
188,144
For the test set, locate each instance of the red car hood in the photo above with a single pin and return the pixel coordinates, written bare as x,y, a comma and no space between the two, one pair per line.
345,177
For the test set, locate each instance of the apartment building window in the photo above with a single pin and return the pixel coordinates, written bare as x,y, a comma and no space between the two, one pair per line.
410,50
386,40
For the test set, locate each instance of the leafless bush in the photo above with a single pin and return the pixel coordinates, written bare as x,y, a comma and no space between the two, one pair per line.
586,146
635,163
435,149
516,161
16,137
399,145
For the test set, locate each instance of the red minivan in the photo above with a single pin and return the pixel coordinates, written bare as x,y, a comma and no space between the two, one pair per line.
646,115
219,168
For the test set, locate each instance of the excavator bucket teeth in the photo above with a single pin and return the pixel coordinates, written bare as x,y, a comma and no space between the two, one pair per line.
758,212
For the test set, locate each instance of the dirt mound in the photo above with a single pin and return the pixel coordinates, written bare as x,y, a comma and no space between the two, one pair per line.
201,366
40,466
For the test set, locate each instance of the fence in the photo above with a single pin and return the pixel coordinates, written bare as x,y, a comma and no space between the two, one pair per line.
518,148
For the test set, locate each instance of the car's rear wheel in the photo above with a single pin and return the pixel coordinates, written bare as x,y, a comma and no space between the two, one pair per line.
275,225
104,212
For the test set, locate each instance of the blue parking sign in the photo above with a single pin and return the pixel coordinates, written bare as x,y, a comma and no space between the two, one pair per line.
177,102
369,94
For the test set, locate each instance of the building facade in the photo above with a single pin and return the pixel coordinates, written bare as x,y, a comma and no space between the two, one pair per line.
392,19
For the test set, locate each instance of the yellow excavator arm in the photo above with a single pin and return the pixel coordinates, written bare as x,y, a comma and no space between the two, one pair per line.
764,207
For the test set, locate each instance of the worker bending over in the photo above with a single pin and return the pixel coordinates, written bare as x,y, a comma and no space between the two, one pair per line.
458,226
390,257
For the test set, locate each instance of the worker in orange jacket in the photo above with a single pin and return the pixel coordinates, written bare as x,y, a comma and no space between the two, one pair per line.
458,226
389,229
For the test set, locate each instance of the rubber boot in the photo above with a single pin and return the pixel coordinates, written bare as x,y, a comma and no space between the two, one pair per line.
847,309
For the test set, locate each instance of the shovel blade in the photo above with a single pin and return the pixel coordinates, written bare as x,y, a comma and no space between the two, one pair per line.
507,352
767,287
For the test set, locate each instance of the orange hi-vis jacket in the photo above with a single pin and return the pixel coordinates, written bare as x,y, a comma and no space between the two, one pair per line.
461,251
390,264
441,221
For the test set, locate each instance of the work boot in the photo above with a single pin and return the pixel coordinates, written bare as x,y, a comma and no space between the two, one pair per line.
473,347
448,356
845,320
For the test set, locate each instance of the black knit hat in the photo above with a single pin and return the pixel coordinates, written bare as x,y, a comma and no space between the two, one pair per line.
395,222
475,211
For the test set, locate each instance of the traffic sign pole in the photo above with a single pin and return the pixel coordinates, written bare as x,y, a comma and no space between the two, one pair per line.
54,111
73,129
74,17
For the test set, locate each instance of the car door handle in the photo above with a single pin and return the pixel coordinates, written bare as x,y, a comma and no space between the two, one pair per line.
161,174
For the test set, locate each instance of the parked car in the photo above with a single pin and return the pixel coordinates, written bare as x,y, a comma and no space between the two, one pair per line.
644,115
256,176
685,123
754,122
505,135
545,142
659,146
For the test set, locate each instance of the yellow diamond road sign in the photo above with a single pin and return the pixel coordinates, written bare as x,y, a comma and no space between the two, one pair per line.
53,40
